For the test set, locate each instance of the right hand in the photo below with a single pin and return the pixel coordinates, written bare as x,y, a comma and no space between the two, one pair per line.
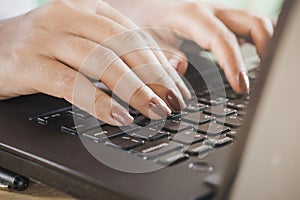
44,51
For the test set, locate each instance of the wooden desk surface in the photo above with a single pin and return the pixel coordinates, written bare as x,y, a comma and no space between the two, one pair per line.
35,192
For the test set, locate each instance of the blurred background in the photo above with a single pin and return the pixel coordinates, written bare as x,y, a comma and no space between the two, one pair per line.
269,8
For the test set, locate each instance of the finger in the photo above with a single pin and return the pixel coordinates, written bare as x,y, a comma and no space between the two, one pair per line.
123,43
169,65
105,10
100,63
133,50
258,29
176,58
56,79
210,33
126,85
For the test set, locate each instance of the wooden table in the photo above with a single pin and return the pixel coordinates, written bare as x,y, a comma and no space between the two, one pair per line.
35,192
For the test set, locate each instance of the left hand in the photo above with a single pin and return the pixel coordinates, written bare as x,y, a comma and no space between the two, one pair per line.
212,27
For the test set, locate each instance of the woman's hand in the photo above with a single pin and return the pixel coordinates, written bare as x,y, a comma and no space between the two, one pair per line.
211,27
56,47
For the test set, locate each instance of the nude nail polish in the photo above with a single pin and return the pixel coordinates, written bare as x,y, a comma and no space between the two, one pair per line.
244,83
158,109
176,104
122,117
174,63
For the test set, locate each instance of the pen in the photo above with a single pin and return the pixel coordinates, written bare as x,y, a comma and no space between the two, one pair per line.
12,181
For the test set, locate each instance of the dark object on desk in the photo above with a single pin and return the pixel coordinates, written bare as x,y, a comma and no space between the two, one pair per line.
12,181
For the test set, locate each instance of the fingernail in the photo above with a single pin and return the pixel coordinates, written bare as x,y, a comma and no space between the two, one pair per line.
123,118
159,108
244,83
176,103
174,63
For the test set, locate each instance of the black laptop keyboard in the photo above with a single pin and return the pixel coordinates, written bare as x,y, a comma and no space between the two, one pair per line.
206,124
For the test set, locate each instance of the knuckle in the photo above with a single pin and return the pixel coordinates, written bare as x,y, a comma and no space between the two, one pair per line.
224,37
54,4
190,5
110,28
66,83
228,36
263,23
105,103
100,100
259,21
55,9
132,38
141,94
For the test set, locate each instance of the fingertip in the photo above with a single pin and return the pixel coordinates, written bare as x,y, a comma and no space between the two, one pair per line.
239,81
180,65
176,104
121,116
244,83
158,109
174,62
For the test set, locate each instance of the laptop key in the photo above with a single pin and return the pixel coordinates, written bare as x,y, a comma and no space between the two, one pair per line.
232,95
214,101
78,113
134,112
144,121
232,121
212,129
106,132
198,118
150,134
176,126
152,150
219,111
232,134
69,126
51,118
188,137
219,142
198,149
177,115
241,113
195,107
202,93
125,142
238,104
172,158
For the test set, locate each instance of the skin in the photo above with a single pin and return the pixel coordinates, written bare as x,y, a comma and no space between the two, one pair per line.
212,27
58,48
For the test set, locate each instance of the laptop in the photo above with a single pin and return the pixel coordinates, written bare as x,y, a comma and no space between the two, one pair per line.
223,146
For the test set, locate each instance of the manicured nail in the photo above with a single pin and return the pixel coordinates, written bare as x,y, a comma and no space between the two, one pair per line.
176,103
122,117
174,63
244,83
159,108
